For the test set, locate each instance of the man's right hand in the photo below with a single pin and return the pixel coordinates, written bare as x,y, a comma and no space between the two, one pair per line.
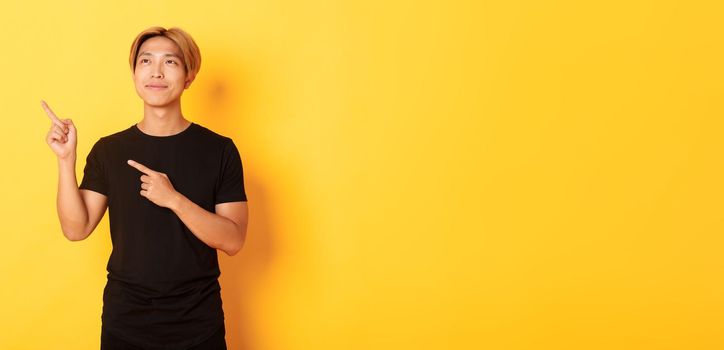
62,137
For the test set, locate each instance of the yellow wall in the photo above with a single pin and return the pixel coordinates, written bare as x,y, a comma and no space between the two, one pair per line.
421,174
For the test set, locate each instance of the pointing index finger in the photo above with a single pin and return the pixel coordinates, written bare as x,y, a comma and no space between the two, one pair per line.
142,168
51,115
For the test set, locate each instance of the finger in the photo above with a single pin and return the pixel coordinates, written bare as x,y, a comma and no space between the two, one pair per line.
60,124
59,129
56,132
50,114
145,178
52,137
144,193
60,137
142,168
69,124
145,186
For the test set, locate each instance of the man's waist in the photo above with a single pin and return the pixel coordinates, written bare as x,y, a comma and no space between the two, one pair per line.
128,304
163,289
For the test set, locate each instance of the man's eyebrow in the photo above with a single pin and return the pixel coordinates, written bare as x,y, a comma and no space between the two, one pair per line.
146,53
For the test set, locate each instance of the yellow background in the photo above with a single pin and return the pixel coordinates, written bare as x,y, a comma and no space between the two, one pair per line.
420,174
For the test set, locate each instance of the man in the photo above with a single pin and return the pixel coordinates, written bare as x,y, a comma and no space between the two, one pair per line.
175,193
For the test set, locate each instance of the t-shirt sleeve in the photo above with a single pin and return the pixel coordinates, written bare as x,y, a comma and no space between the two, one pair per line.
231,182
94,175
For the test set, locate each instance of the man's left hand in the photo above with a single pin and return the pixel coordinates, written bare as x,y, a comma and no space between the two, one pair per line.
155,186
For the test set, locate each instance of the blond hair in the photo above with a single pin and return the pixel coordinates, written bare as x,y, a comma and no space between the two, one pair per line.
189,50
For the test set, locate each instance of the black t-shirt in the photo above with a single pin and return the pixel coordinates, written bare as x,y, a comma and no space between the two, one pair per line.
162,290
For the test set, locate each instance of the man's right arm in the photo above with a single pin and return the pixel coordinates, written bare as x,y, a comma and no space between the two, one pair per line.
79,211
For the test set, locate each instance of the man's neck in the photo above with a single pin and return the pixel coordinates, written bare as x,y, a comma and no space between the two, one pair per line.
163,121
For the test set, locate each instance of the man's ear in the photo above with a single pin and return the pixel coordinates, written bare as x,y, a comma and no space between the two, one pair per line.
189,80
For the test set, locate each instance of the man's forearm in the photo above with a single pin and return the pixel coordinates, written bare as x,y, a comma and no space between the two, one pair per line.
215,230
72,211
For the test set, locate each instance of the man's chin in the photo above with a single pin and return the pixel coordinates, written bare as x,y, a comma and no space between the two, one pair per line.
158,103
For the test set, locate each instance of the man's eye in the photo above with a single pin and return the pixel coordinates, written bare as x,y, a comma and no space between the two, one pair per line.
172,61
143,60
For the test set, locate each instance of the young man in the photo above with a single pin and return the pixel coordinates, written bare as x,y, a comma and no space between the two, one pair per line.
175,193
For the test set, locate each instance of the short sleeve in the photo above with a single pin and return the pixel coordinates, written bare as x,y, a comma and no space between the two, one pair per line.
94,175
230,186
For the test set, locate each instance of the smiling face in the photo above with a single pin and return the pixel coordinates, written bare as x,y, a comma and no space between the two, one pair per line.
160,77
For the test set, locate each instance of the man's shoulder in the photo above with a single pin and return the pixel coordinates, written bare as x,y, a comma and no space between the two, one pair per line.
203,131
119,135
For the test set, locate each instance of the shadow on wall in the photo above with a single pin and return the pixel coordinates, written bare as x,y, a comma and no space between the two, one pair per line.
224,104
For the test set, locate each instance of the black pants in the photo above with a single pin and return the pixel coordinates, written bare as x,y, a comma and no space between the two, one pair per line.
215,342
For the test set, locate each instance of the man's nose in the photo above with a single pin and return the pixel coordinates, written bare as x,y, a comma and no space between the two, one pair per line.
157,72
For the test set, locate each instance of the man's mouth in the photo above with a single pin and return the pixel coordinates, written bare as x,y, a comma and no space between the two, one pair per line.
156,87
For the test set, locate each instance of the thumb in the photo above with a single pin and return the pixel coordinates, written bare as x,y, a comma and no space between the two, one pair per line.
70,124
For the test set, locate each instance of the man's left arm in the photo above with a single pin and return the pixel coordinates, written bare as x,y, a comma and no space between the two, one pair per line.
225,229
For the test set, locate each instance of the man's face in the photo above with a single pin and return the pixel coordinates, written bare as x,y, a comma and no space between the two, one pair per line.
160,76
